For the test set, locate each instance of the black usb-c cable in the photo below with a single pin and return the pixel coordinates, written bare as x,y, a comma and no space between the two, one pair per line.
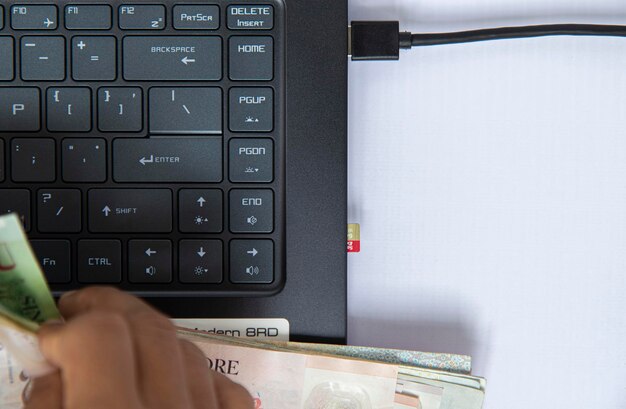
383,40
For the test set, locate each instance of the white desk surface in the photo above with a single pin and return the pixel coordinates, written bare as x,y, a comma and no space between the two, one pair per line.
490,184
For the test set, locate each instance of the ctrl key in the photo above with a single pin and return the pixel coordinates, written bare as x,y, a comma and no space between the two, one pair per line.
99,261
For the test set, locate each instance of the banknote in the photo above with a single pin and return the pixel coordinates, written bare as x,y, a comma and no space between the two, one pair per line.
287,380
25,299
279,375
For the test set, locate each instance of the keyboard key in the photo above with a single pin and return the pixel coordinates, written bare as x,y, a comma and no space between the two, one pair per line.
120,109
99,261
1,17
54,256
34,17
33,160
250,17
19,109
135,17
84,160
251,58
94,58
43,58
58,210
200,261
150,261
251,110
251,160
130,210
200,17
87,17
69,109
200,211
251,211
6,58
252,261
167,160
16,201
178,111
183,58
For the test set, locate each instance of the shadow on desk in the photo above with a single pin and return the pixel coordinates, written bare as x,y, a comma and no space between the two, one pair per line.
425,336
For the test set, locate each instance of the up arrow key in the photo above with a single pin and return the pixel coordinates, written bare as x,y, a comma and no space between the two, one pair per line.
201,201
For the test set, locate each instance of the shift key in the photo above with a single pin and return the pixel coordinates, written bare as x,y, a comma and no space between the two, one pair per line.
130,210
176,160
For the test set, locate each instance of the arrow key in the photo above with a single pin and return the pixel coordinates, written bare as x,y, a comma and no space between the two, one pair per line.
200,210
150,261
252,261
200,261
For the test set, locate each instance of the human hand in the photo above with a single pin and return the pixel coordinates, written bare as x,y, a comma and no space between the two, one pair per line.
115,351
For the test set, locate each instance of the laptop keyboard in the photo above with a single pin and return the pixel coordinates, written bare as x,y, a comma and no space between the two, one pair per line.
143,144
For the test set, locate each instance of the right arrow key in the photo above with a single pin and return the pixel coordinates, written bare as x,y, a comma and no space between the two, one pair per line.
252,261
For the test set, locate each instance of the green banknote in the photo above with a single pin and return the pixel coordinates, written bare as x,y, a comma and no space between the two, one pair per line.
25,297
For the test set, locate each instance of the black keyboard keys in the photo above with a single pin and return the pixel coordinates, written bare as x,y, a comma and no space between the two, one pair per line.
150,261
167,159
43,58
69,109
33,160
55,259
99,261
251,58
84,160
59,210
19,109
251,110
251,211
6,58
94,58
120,109
251,160
130,210
182,111
87,17
251,261
142,17
200,261
200,210
182,58
16,201
34,17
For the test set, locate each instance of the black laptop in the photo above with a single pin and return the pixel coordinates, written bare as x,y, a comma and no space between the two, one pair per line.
191,152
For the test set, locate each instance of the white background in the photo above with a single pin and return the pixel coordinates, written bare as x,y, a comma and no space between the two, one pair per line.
490,184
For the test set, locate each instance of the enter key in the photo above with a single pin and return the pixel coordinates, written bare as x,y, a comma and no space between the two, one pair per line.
176,160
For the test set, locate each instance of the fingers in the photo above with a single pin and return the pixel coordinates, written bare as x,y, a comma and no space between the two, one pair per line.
94,353
46,393
232,395
151,333
200,379
101,298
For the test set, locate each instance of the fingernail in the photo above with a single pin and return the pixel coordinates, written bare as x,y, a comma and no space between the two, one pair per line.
67,295
53,322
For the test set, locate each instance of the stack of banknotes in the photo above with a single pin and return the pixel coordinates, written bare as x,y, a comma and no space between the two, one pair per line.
278,375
